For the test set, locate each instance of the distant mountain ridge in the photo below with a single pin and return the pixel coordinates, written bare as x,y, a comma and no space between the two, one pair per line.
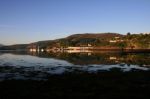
14,47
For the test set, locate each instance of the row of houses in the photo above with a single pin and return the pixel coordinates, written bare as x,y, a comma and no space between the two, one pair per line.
56,49
116,39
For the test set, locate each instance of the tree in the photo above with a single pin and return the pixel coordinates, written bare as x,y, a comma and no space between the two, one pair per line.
128,34
122,45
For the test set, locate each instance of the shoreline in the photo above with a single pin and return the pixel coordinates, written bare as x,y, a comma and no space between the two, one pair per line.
127,50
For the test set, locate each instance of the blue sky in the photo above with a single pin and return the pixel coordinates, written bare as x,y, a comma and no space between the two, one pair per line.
25,21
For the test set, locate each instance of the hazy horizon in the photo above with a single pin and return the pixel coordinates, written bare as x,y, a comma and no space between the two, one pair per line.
26,21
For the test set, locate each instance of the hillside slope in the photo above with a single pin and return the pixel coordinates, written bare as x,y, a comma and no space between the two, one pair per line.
94,35
76,40
136,41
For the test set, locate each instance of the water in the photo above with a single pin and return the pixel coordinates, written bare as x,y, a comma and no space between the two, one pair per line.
37,66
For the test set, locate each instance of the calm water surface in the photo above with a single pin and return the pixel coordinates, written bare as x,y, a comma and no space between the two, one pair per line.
25,65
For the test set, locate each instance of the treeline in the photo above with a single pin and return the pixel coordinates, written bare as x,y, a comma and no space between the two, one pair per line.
21,47
137,40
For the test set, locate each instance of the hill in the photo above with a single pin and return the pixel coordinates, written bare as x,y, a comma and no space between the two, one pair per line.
76,40
137,41
94,35
88,38
105,40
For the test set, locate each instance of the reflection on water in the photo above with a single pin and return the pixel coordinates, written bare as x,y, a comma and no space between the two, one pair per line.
25,65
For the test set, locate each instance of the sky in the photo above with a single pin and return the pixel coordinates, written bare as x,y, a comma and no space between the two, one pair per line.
26,21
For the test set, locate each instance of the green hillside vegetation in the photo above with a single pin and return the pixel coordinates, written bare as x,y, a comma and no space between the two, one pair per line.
99,39
138,40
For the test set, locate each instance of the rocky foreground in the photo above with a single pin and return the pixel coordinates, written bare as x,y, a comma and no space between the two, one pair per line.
113,84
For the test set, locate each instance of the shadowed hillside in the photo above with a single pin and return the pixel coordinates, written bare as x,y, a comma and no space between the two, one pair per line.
76,37
14,47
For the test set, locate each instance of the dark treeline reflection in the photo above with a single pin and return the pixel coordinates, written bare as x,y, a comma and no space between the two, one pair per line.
106,58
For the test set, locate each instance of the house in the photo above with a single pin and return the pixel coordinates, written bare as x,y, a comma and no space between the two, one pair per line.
89,45
112,41
116,39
